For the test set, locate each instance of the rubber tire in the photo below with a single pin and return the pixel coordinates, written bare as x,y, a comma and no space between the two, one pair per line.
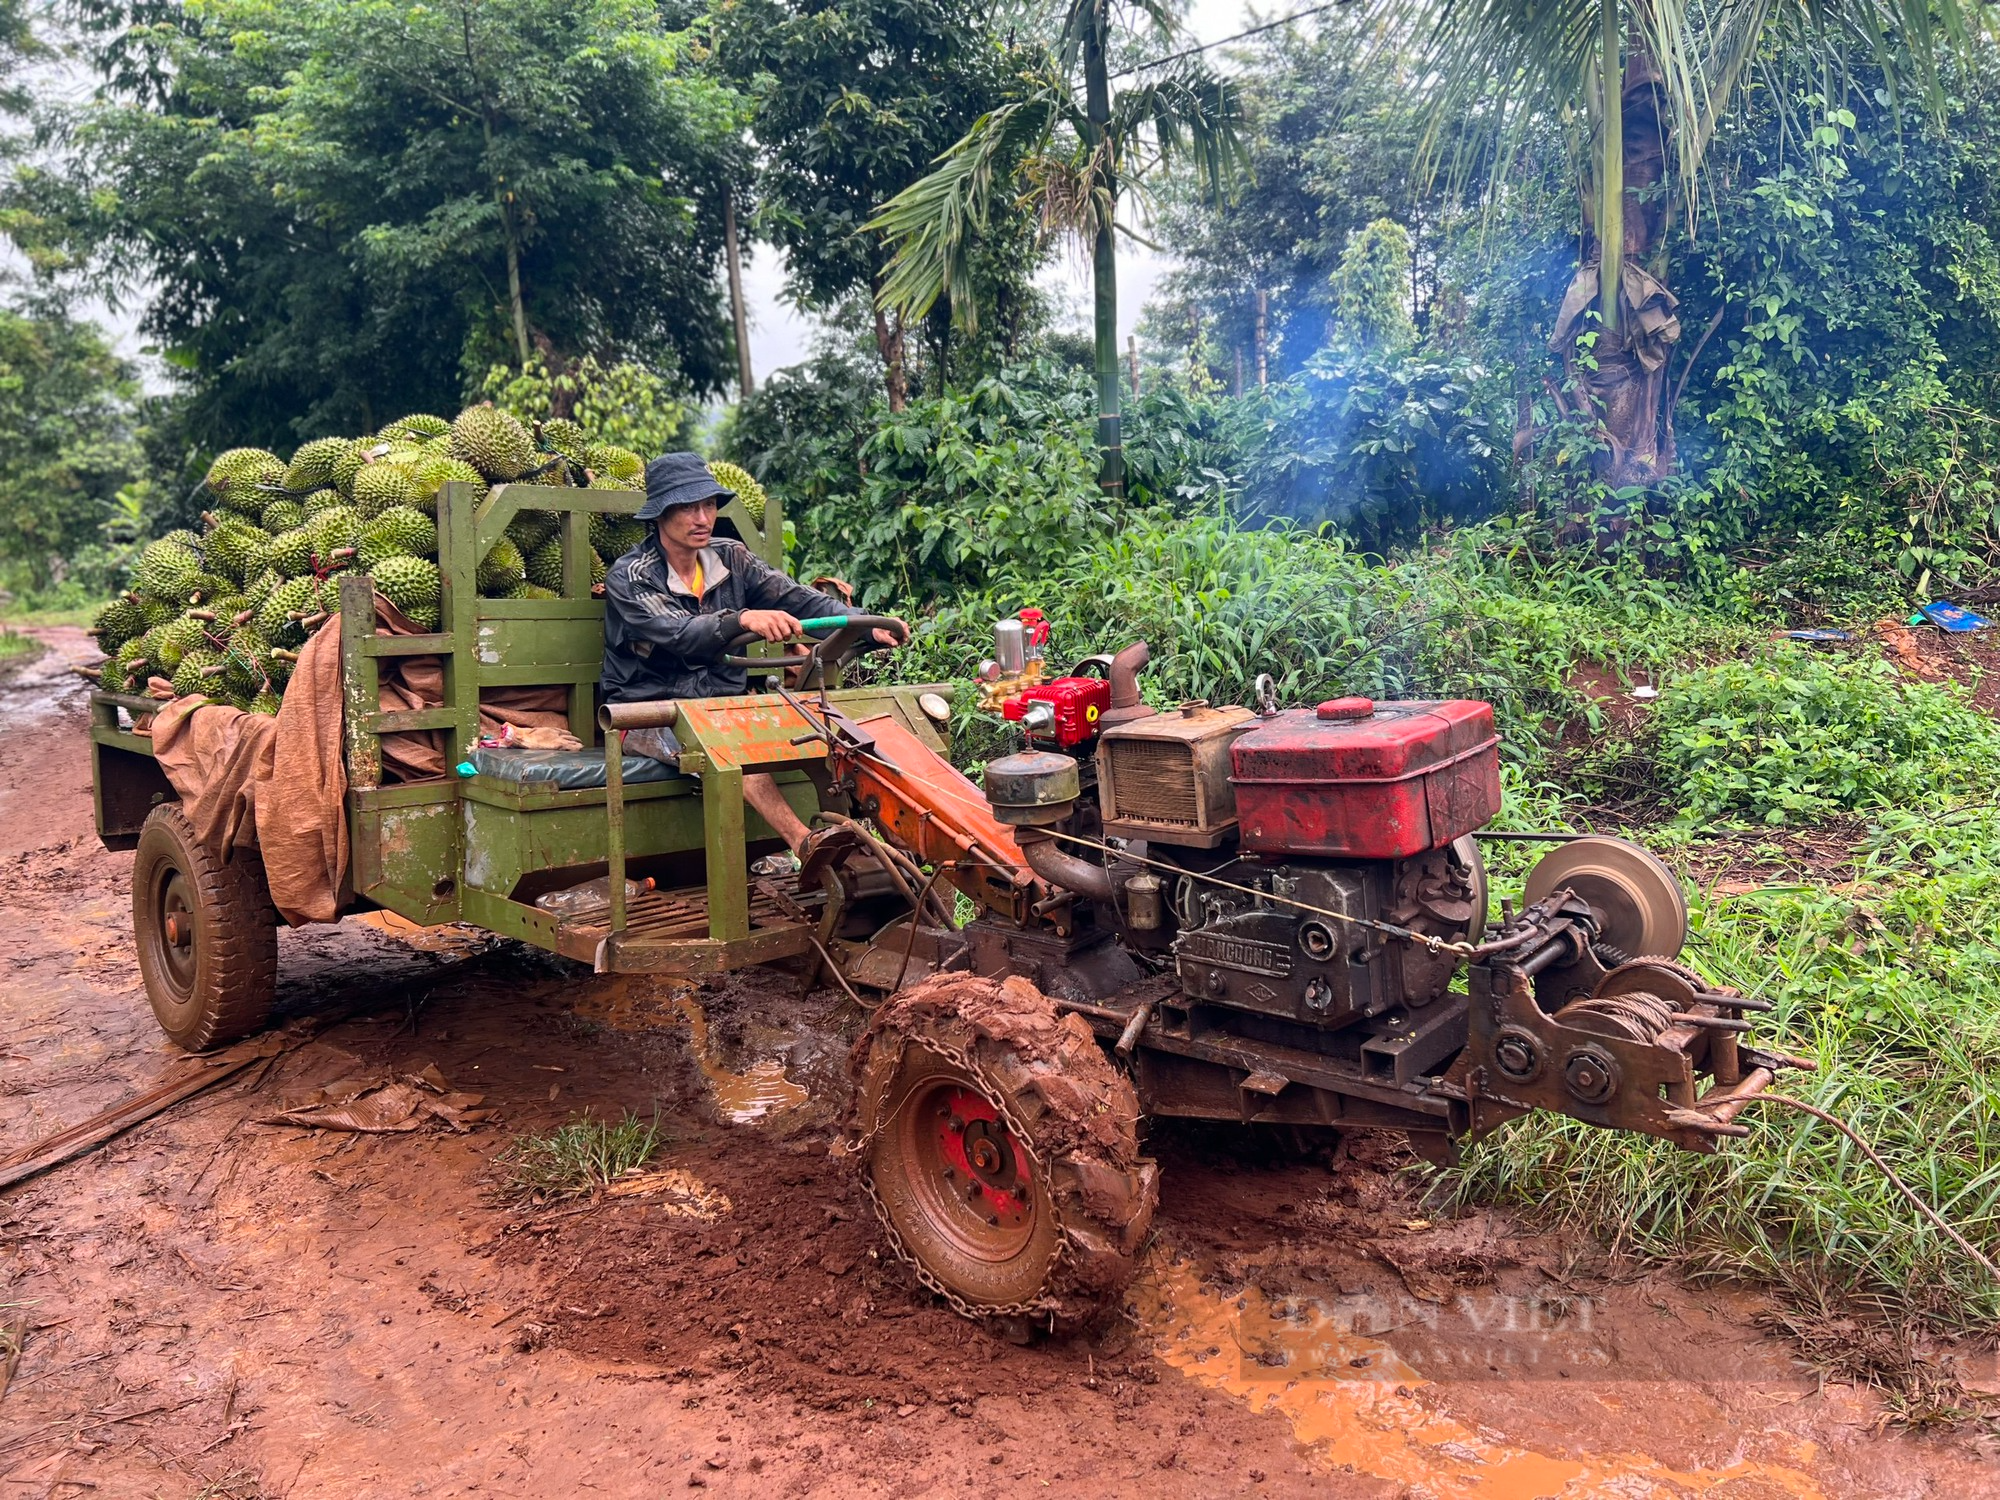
1044,1071
223,990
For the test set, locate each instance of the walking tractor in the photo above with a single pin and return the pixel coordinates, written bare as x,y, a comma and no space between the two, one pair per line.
1258,914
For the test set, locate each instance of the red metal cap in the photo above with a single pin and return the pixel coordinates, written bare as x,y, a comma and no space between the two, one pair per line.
1346,708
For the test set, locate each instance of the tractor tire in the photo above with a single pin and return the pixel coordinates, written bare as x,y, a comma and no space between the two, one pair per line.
1001,1151
206,932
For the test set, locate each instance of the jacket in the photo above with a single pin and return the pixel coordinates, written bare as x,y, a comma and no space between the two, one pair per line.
660,641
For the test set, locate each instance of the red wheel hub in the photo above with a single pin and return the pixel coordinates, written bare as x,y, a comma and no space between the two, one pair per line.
981,1159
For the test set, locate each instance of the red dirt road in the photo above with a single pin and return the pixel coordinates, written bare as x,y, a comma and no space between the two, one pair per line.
222,1307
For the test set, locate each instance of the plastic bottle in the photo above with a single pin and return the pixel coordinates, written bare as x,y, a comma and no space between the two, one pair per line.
590,898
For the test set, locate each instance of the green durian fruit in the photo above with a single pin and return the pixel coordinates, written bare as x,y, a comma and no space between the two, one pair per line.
332,530
282,515
183,538
266,702
740,483
116,623
192,675
501,568
112,677
381,485
561,435
398,531
237,550
614,468
414,428
527,590
348,464
164,568
492,442
411,584
530,528
243,478
291,551
319,502
544,568
312,467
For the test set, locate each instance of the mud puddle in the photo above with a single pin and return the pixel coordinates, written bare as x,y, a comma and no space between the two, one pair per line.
1352,1401
766,1069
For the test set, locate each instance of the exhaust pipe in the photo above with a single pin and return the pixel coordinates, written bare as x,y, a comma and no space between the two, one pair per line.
1124,676
1048,860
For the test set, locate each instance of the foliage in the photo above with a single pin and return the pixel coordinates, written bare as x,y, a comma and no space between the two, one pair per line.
1370,290
625,404
852,101
338,213
581,1157
1891,984
1383,441
1792,736
960,488
67,442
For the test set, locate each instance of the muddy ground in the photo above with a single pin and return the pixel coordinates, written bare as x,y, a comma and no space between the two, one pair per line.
218,1306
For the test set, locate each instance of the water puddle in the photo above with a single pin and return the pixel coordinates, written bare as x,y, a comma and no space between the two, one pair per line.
1350,1399
452,938
758,1092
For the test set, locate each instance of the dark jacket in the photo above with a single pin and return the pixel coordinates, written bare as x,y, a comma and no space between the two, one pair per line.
662,642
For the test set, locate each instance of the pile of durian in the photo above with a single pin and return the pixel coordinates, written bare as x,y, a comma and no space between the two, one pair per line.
225,612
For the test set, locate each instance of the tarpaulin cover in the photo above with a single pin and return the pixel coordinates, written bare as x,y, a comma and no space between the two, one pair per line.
279,785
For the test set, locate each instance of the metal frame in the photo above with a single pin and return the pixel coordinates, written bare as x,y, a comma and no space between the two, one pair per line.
461,849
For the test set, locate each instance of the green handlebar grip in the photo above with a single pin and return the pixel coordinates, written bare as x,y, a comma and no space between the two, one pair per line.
823,622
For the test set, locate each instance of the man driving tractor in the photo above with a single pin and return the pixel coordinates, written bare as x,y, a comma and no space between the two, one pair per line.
675,602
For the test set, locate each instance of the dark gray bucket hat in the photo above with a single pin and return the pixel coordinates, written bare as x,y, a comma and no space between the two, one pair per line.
679,479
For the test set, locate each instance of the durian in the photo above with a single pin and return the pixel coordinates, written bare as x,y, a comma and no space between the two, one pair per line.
740,483
492,442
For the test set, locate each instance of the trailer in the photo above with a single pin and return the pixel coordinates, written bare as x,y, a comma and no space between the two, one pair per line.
480,848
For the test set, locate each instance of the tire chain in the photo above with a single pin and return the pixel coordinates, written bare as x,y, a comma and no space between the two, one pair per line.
1044,1307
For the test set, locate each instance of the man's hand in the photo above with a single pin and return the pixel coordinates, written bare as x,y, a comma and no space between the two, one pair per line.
771,624
897,637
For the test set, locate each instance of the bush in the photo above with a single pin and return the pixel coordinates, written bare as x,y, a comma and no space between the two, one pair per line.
1791,736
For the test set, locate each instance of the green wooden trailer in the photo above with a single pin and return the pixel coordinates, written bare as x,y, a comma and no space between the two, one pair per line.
481,848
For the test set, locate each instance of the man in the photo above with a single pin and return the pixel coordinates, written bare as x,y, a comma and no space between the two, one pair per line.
674,603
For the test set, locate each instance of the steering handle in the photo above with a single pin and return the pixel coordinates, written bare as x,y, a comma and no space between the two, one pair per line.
863,626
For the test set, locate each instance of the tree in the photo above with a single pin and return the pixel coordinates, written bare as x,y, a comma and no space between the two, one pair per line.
853,100
66,439
1642,85
1073,148
342,212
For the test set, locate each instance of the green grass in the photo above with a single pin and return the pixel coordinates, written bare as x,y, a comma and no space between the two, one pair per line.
13,645
72,614
1892,986
579,1158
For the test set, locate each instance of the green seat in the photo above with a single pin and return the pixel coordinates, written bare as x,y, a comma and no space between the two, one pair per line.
571,770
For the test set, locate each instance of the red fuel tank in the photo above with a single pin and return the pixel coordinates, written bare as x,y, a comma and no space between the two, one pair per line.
1353,779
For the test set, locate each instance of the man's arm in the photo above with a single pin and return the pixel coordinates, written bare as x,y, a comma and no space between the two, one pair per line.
649,614
764,587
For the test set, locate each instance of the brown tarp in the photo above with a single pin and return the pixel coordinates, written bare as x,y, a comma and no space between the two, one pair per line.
279,785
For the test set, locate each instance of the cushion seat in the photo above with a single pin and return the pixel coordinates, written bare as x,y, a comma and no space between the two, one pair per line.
569,770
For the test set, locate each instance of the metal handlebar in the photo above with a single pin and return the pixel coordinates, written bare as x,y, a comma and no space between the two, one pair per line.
834,624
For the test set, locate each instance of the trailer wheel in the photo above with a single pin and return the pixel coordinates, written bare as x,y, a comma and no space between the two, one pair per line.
206,932
1001,1151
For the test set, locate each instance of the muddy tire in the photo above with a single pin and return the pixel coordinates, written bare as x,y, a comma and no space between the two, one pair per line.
1001,1151
206,932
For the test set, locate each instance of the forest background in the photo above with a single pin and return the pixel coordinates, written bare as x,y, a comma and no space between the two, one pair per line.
1355,454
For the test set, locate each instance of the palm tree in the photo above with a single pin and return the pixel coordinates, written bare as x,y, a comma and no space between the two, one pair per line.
1068,158
1642,84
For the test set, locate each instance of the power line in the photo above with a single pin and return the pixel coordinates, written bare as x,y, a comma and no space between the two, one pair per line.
1159,62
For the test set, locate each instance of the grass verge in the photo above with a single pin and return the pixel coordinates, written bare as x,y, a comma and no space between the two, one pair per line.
576,1159
1889,980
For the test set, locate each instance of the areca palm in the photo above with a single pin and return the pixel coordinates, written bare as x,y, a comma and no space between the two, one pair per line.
1640,85
1066,147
